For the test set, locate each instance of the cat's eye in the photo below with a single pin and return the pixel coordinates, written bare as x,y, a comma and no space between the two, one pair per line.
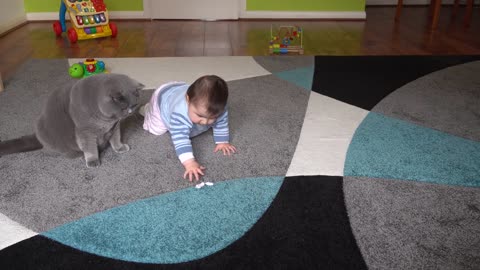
119,99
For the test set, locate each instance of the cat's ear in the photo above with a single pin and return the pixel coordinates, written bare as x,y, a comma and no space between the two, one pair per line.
138,85
138,88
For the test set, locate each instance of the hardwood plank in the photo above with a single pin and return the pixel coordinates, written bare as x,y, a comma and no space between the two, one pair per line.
380,34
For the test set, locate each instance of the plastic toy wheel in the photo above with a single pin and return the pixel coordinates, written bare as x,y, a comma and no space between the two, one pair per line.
114,29
57,28
72,35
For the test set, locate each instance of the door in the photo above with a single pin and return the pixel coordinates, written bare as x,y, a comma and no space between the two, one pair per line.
209,10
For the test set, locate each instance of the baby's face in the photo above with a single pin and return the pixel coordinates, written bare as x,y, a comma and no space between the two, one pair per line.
199,115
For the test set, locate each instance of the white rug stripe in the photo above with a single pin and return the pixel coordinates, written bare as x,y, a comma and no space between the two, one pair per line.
12,232
153,72
327,130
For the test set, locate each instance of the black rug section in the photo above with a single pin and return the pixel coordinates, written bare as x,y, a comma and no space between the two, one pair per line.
306,227
349,78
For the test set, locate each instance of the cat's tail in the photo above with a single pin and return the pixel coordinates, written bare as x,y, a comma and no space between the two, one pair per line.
22,144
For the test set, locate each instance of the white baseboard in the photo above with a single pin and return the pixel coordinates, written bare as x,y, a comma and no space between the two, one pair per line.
12,23
52,16
42,16
129,15
302,15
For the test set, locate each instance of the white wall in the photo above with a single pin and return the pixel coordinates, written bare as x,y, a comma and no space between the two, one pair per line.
193,9
12,13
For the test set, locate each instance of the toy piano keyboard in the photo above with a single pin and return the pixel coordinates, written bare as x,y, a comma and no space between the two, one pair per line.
89,19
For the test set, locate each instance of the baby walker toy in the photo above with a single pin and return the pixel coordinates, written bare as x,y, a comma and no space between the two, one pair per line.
287,39
89,20
87,68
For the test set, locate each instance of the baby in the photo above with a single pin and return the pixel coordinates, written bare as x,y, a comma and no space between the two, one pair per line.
187,111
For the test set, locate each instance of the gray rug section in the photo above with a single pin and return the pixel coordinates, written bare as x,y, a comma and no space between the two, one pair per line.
25,94
447,100
279,63
411,225
42,191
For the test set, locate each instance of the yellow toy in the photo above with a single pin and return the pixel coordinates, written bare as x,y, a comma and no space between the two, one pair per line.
89,19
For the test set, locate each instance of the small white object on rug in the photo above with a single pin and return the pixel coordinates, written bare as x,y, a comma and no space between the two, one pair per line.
202,184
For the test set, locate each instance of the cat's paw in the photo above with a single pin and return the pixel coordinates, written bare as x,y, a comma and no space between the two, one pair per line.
122,149
93,163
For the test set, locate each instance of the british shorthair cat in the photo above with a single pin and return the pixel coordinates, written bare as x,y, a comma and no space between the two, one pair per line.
82,119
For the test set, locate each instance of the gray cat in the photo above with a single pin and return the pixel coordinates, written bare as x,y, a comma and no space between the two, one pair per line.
82,119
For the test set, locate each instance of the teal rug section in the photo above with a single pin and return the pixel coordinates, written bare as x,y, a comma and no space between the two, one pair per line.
174,227
302,77
384,147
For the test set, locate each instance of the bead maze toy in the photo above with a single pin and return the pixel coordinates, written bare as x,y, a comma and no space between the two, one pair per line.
288,39
89,19
87,68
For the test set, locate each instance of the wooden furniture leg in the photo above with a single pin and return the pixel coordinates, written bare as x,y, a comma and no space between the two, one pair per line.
468,14
398,12
455,8
436,13
435,6
431,8
1,83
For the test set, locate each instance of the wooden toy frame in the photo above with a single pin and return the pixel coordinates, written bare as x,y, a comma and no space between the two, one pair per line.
288,39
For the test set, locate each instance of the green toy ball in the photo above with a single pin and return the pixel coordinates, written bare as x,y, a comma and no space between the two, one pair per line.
76,70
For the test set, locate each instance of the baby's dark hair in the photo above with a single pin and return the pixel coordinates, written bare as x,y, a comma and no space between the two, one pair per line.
210,90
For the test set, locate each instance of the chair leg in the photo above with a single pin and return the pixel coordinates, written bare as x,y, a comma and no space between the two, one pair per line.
431,8
436,13
398,12
455,8
468,14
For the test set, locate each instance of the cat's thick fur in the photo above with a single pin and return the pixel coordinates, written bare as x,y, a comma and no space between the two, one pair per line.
82,119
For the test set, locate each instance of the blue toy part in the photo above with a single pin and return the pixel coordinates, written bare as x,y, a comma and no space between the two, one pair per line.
101,65
63,9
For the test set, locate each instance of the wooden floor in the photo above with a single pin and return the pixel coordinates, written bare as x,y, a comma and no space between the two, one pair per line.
378,35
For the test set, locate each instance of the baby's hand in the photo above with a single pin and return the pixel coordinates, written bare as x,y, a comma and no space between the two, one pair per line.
226,148
192,169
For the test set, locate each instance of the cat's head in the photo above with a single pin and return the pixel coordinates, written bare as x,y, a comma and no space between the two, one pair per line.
119,95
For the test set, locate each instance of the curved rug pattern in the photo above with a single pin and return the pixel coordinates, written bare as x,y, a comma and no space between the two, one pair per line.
210,219
343,163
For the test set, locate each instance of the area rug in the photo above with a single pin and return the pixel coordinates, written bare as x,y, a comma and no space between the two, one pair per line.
365,162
